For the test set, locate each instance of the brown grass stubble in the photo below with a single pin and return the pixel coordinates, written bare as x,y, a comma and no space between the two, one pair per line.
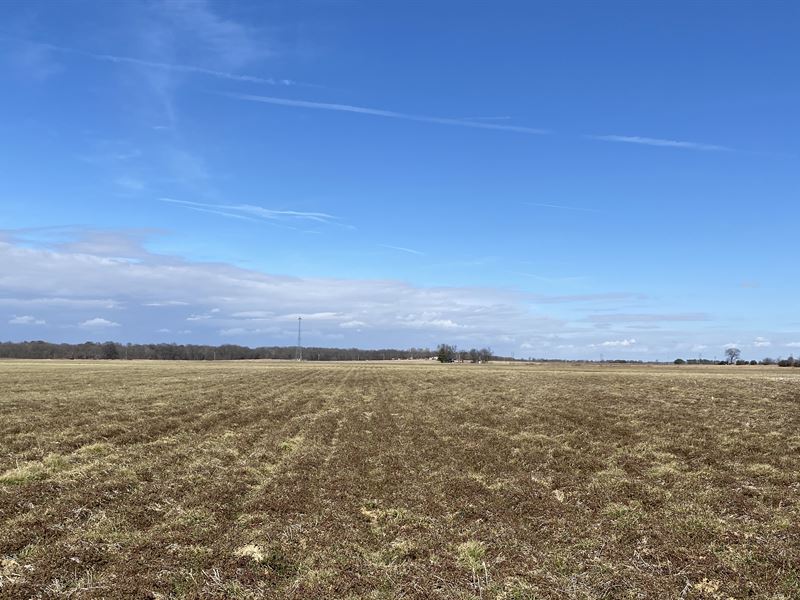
174,454
263,480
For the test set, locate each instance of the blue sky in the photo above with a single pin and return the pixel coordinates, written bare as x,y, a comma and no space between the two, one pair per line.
567,180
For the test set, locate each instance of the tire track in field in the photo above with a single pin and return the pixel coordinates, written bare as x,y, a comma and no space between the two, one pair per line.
225,492
156,450
221,492
288,503
334,441
374,500
291,427
312,432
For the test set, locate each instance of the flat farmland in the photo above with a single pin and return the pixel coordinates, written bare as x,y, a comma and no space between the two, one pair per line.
361,480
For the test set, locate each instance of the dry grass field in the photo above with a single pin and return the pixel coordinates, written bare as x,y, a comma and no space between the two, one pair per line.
269,480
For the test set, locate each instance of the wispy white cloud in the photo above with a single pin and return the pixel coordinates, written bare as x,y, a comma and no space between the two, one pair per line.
377,112
121,244
793,345
167,303
322,315
761,342
230,42
471,122
112,244
153,64
221,213
97,323
402,249
648,141
251,212
53,302
164,34
26,320
424,321
626,343
198,317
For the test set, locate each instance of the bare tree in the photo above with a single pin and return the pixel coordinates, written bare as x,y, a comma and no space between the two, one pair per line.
733,354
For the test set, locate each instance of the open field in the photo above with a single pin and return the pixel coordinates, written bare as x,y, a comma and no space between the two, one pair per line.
250,480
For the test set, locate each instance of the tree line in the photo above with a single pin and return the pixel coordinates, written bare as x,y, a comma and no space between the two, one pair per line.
733,357
117,351
787,362
446,353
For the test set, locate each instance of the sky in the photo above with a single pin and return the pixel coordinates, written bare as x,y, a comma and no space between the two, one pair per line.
558,180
